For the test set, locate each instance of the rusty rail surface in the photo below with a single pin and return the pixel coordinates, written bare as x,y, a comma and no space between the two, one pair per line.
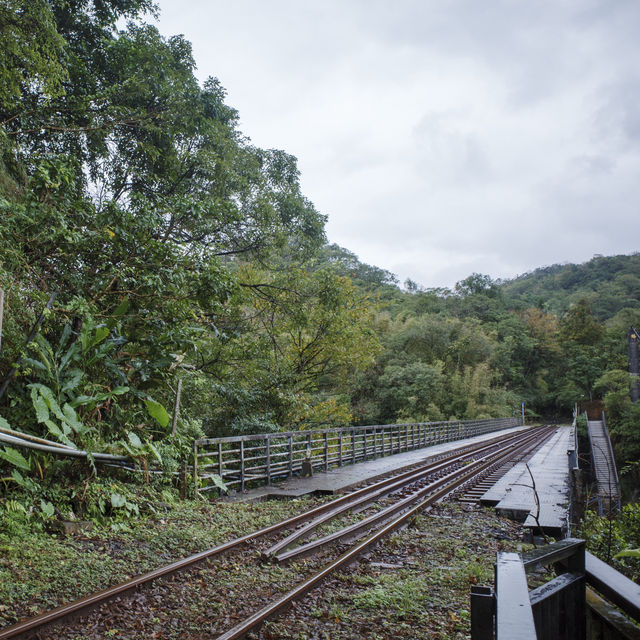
431,472
438,490
507,443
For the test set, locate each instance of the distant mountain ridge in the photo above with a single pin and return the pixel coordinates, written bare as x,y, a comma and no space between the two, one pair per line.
610,283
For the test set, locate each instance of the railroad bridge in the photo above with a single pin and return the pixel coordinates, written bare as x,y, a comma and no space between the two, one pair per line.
534,487
391,473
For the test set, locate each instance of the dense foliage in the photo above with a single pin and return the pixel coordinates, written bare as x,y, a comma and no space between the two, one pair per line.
145,242
610,283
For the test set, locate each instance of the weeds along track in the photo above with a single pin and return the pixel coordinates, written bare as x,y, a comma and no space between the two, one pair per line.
272,557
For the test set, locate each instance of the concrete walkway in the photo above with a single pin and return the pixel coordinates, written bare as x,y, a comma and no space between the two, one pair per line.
514,497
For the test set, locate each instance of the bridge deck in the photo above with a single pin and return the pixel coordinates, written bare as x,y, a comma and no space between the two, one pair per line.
343,478
513,494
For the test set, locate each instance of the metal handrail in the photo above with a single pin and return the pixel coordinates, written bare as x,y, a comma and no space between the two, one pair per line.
267,456
613,460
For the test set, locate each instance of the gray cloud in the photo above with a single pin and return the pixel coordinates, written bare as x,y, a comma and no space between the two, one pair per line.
441,138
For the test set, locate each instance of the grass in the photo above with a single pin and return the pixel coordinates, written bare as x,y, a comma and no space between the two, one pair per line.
415,584
39,570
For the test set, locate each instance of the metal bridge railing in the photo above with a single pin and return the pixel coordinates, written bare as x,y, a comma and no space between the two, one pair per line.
263,458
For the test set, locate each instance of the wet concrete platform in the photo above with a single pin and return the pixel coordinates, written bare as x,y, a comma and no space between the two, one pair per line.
514,496
341,479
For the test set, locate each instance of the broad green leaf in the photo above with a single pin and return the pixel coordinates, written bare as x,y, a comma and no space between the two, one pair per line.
81,401
50,399
71,382
36,364
135,441
157,412
64,338
101,334
39,404
4,424
129,450
120,310
15,458
118,391
69,355
628,553
85,335
55,430
47,508
219,482
117,500
155,452
71,419
19,479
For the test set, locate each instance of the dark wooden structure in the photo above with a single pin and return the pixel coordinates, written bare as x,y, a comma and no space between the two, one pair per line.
563,608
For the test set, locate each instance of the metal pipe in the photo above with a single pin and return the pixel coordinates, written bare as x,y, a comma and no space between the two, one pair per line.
99,457
26,436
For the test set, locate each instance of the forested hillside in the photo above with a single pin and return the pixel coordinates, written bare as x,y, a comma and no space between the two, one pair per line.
609,283
146,245
482,348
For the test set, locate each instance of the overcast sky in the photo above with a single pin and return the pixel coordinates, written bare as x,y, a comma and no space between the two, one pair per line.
441,137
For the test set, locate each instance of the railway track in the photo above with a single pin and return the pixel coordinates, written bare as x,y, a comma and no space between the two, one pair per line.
386,505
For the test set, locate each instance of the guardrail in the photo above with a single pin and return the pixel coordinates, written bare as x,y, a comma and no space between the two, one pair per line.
262,458
562,608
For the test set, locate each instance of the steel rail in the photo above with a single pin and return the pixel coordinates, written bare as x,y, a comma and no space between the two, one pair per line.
28,628
275,607
384,514
384,488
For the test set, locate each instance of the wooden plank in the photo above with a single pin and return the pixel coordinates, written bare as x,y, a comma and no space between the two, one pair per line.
617,588
606,622
482,612
559,609
514,617
568,548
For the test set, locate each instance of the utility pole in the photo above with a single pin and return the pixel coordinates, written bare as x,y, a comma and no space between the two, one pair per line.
633,365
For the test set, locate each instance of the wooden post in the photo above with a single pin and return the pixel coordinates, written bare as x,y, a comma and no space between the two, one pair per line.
340,438
220,466
268,447
176,408
242,466
195,470
326,451
482,613
183,484
514,617
290,444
